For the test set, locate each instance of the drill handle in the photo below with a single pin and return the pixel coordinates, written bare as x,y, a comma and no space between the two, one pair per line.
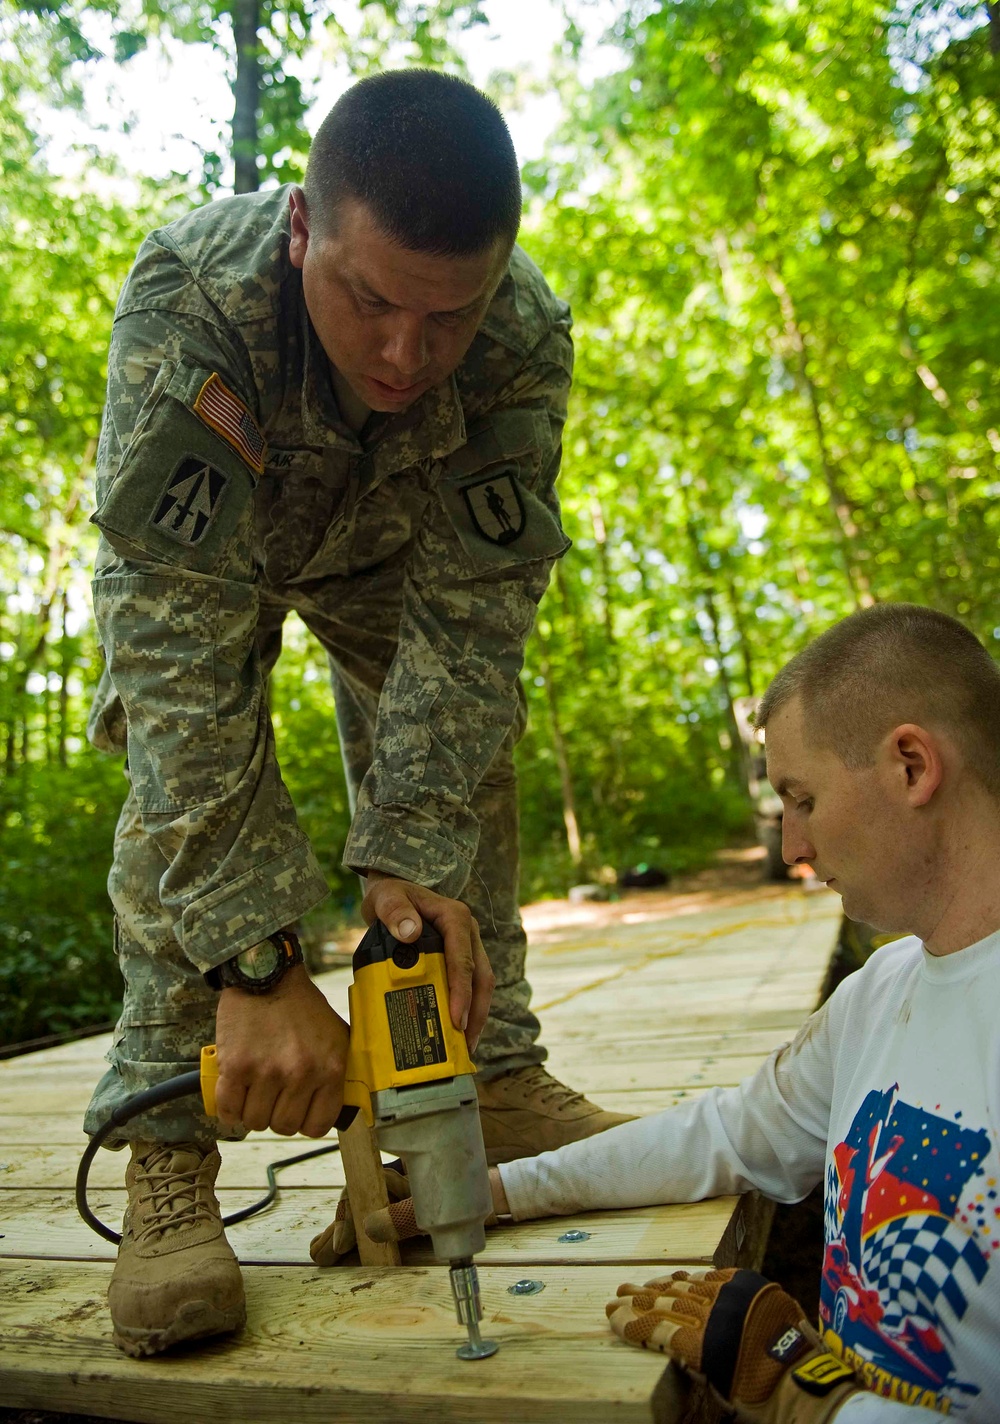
209,1071
355,1094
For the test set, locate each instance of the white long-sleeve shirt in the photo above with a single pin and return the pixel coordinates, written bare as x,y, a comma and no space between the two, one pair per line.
890,1094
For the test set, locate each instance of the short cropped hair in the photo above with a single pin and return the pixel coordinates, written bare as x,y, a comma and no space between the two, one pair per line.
427,154
890,664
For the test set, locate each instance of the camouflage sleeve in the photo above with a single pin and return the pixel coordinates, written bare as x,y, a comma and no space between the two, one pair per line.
481,562
176,605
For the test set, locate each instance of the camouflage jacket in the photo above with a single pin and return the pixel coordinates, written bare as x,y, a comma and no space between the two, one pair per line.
224,468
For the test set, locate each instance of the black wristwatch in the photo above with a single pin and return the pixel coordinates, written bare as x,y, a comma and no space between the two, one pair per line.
260,968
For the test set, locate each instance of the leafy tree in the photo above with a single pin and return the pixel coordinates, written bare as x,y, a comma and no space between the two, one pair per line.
777,227
66,255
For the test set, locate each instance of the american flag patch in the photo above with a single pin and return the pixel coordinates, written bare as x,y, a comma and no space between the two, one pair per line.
229,417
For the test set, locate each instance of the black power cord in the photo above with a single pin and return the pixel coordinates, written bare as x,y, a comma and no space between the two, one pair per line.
144,1101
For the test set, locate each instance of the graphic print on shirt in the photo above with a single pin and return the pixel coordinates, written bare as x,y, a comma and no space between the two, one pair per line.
912,1217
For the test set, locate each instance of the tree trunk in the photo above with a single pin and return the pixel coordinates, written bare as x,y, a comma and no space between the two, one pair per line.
59,544
847,527
993,10
601,537
736,613
65,669
737,757
246,92
562,762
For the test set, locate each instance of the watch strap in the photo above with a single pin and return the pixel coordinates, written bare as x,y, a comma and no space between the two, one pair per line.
230,975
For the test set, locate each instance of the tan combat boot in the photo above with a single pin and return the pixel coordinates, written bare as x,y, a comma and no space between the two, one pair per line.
527,1111
176,1277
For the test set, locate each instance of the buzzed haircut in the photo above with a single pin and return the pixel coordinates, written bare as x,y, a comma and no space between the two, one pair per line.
429,156
890,664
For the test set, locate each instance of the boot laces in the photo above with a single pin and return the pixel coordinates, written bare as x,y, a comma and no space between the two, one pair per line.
547,1088
178,1198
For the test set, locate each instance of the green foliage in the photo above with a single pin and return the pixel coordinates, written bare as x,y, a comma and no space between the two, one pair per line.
66,254
783,264
777,226
305,729
57,965
399,32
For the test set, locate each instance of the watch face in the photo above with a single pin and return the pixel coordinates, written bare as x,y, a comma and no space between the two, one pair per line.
259,961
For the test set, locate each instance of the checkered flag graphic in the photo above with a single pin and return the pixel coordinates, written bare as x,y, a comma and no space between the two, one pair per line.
831,1216
922,1265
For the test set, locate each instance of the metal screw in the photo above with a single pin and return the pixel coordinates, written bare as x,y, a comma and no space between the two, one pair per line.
575,1236
526,1287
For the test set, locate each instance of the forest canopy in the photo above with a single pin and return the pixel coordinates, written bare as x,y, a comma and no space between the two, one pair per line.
777,226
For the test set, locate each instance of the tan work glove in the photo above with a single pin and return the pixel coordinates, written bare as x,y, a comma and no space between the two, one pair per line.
396,1222
744,1337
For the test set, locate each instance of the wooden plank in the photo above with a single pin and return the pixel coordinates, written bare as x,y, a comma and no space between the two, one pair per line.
648,1072
362,1165
65,1130
636,1059
45,1225
362,1346
681,1042
53,1163
640,1009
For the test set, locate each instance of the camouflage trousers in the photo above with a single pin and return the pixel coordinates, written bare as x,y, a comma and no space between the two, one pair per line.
169,1010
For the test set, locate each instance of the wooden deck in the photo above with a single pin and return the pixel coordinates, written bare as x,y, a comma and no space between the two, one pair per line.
642,1004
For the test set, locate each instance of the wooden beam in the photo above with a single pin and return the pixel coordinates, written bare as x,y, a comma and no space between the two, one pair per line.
366,1186
358,1346
44,1226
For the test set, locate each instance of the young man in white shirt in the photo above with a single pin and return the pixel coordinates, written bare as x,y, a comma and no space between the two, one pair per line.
883,741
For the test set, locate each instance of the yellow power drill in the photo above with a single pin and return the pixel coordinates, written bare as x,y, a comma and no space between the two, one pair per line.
410,1075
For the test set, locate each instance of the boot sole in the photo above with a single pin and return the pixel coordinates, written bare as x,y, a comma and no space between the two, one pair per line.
195,1320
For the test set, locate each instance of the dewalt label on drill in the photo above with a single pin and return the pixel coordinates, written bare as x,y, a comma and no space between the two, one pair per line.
415,1027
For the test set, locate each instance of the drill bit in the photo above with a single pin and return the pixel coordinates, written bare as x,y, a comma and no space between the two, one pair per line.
465,1289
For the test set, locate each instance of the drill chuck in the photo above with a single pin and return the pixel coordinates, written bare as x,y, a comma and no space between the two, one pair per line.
469,1309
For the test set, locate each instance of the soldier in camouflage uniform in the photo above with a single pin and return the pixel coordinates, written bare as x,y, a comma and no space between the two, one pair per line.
405,510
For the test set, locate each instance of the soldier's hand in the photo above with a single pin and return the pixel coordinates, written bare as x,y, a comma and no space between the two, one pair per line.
282,1057
402,907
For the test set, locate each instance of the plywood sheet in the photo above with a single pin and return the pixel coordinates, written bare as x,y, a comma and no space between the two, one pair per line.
358,1346
642,1008
44,1225
244,1164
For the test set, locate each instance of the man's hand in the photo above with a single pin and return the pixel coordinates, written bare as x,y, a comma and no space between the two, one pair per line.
282,1057
743,1336
401,906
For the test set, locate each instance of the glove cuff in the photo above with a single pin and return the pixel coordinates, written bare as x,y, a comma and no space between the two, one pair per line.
813,1387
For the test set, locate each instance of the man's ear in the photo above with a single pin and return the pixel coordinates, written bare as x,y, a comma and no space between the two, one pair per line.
917,758
299,240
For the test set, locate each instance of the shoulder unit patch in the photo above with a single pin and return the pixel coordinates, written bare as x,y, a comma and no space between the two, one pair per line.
189,501
496,508
225,413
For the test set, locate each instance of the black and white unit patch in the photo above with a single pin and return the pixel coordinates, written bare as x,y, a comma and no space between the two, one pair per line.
189,501
496,508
